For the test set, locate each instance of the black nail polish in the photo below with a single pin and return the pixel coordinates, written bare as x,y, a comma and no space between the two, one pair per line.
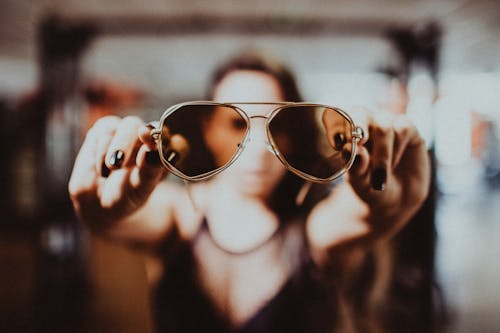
116,159
379,177
105,170
152,158
357,160
346,154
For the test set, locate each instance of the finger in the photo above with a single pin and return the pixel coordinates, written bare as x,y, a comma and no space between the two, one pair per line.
147,158
360,167
84,174
85,171
124,145
382,139
103,130
406,134
113,189
148,169
359,175
131,186
101,151
361,118
145,136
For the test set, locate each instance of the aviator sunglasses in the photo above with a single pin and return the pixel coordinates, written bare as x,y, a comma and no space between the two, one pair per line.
198,140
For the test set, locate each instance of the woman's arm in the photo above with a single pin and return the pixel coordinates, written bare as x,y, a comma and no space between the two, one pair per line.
387,184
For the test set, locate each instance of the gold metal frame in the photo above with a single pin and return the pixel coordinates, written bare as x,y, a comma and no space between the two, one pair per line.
357,135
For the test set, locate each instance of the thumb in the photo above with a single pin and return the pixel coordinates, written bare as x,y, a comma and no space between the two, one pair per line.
147,172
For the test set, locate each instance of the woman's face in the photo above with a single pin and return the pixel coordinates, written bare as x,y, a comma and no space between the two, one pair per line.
257,171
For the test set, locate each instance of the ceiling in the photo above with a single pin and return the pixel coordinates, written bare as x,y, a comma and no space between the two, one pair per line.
471,41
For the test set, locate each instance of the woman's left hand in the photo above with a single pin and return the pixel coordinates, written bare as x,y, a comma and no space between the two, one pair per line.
391,173
385,186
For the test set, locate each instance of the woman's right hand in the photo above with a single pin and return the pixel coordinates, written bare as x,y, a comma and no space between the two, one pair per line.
115,171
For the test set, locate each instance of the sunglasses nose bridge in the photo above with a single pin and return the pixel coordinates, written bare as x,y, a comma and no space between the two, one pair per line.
263,143
258,134
258,116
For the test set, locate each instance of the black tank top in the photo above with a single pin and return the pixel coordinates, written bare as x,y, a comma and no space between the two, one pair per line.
303,305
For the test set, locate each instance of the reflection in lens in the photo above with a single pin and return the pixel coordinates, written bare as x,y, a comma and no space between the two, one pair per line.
313,139
198,139
177,149
339,141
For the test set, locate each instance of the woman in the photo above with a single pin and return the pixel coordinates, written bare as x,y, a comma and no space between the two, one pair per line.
248,259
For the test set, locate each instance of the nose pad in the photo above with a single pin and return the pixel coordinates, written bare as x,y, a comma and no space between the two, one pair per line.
270,148
249,139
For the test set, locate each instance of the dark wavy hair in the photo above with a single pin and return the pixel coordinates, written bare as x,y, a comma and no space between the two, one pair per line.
260,62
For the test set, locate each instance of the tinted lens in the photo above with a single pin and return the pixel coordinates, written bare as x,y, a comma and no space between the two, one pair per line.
198,139
316,140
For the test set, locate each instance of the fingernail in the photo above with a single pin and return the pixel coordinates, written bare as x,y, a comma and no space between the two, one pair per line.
379,177
104,170
357,160
152,158
346,154
116,159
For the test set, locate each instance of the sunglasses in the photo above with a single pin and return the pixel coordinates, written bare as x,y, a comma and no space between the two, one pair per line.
198,140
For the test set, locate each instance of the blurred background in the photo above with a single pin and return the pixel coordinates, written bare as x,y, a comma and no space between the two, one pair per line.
63,64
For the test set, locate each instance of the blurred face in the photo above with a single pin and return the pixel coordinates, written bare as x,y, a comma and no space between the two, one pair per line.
257,171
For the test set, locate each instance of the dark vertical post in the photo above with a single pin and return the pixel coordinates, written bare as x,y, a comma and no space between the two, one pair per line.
60,50
62,278
5,179
415,292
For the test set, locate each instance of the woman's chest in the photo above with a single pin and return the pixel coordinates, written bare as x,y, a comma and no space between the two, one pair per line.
239,285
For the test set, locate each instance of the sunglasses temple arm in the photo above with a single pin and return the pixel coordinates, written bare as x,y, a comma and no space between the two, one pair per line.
301,196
